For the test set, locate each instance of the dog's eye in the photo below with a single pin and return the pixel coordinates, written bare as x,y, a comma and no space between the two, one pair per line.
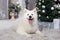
27,14
31,14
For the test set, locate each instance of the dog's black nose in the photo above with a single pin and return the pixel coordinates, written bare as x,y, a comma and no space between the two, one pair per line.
29,16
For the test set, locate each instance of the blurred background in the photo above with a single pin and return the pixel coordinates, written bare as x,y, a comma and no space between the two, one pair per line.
48,11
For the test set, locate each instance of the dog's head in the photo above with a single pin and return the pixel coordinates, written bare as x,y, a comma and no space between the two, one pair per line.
30,15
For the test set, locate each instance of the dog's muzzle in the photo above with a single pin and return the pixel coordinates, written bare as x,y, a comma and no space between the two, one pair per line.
30,20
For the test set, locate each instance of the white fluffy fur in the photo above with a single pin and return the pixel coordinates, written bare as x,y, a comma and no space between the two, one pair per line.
24,28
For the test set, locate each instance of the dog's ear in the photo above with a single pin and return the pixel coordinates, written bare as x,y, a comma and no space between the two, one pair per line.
25,10
34,10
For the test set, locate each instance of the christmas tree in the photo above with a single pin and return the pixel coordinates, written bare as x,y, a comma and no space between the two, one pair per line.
47,10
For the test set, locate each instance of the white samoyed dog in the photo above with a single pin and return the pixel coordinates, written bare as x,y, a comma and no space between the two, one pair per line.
28,23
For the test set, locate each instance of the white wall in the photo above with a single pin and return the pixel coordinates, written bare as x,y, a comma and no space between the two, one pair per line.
3,9
22,3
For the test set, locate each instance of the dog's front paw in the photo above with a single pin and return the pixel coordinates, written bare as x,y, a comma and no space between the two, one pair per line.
39,33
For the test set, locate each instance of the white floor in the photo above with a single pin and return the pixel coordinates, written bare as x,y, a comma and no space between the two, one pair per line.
5,24
8,34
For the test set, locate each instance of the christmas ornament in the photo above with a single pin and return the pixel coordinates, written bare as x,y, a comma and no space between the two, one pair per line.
43,11
58,11
39,15
52,8
43,6
39,3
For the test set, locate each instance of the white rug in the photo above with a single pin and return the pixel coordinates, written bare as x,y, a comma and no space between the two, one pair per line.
9,34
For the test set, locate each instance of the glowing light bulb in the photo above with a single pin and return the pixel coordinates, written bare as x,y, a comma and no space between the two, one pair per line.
52,8
43,11
55,0
58,11
47,16
39,0
39,3
39,15
43,6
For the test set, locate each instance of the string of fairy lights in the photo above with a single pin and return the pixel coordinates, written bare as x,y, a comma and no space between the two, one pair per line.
48,9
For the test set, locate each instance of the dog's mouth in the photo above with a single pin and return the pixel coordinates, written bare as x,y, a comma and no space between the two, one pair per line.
30,20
